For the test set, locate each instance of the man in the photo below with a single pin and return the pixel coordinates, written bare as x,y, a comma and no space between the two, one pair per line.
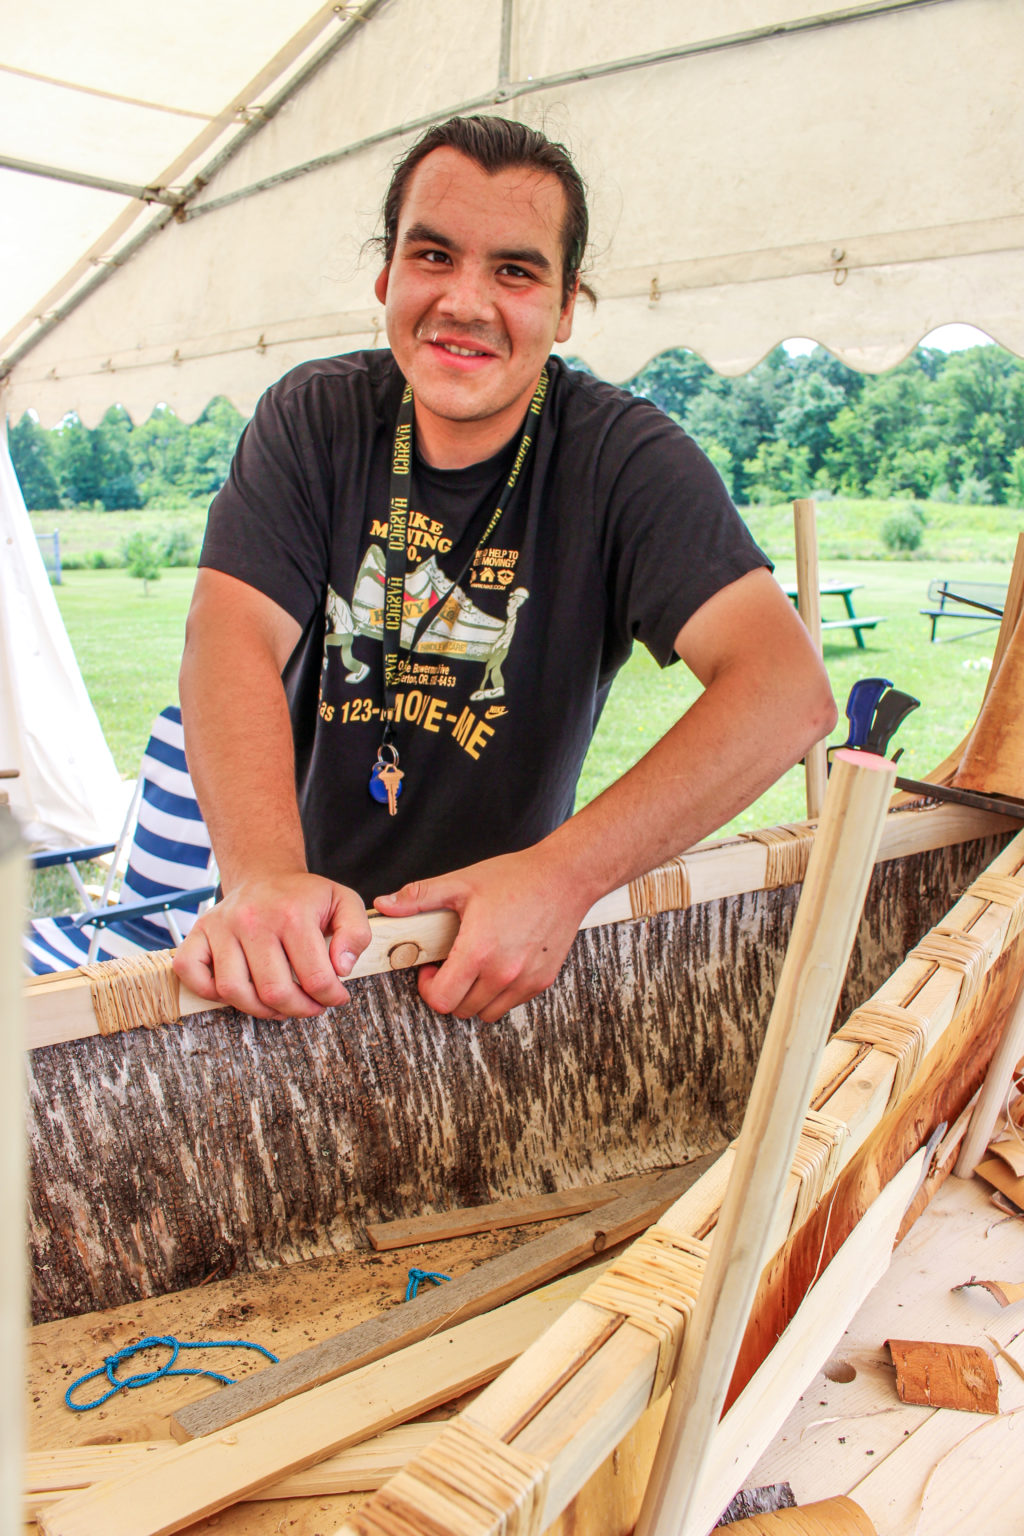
500,497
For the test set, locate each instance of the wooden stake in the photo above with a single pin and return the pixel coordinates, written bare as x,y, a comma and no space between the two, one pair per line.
994,1090
13,1286
812,974
993,757
943,773
805,528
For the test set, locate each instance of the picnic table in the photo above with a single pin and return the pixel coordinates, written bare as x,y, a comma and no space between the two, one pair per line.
982,601
845,591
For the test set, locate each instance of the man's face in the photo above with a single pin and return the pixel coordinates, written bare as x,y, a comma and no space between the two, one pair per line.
473,299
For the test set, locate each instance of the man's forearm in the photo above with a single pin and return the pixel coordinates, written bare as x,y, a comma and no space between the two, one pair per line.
700,774
241,756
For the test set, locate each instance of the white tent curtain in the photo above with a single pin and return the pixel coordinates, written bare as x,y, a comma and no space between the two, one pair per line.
68,792
758,169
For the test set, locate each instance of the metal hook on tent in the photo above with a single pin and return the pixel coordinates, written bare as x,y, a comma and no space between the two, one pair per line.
841,272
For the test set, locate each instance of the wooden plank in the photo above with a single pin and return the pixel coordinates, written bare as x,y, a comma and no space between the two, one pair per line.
976,1486
480,1290
805,530
52,1475
762,1407
60,1008
826,925
442,1225
197,1480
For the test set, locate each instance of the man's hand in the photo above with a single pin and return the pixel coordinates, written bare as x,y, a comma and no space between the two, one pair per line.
276,948
519,915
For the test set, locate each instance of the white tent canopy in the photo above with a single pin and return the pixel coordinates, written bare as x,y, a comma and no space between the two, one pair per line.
758,169
67,792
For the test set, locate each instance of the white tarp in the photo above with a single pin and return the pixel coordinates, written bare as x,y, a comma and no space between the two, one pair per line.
68,792
767,169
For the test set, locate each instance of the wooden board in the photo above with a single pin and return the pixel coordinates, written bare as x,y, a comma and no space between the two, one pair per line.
201,1478
286,1309
482,1289
442,1225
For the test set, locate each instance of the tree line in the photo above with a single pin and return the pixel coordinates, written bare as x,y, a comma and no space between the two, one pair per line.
939,426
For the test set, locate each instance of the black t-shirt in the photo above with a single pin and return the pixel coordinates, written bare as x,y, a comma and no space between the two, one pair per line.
619,530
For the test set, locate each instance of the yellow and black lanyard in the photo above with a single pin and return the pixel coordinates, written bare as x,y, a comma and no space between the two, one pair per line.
386,776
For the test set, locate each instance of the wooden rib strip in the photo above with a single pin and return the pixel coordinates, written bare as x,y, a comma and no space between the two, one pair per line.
140,993
788,849
665,889
655,1285
897,1031
956,951
1004,891
468,1480
816,1162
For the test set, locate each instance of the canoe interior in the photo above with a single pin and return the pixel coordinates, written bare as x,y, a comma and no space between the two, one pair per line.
162,1157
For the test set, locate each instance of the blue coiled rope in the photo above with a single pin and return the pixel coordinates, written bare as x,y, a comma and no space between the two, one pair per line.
417,1276
143,1378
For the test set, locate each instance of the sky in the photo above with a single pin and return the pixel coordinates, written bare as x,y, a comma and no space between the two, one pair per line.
948,338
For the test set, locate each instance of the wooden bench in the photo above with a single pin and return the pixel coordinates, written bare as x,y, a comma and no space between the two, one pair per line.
845,590
982,601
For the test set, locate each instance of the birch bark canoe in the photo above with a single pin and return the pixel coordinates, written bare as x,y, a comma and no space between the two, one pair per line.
160,1157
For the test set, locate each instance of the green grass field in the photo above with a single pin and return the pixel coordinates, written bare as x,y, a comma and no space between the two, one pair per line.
128,646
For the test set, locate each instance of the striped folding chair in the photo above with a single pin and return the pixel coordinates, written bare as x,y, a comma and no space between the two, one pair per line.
169,878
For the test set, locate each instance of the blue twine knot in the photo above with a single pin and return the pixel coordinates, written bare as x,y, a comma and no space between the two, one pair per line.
143,1378
416,1276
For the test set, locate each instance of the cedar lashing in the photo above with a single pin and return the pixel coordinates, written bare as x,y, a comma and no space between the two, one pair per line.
788,849
665,889
140,993
475,1481
654,1285
892,1028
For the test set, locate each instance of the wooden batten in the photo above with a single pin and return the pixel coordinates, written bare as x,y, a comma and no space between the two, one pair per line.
576,1393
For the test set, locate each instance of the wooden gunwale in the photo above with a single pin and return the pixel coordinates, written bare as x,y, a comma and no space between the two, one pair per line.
59,1008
